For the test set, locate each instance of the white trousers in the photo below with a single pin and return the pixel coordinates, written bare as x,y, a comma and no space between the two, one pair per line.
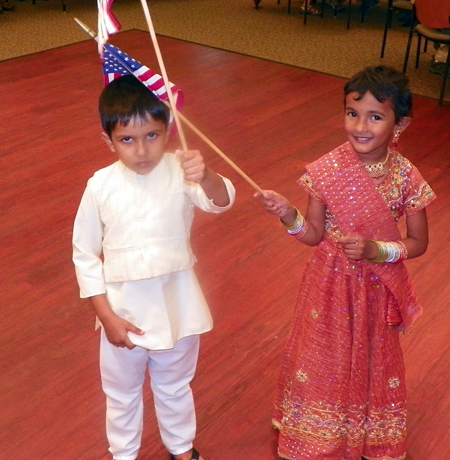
171,371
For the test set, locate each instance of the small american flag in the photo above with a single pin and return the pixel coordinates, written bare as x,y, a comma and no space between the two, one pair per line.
107,23
116,64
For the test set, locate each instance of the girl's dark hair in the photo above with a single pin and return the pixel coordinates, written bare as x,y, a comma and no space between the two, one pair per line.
384,83
126,98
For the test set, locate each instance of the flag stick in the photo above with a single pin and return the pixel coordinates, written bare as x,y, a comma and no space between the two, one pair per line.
220,153
87,29
93,35
164,73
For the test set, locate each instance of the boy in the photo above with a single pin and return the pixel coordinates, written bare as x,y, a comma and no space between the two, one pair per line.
136,214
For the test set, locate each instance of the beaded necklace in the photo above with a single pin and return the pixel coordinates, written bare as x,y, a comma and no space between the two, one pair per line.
376,170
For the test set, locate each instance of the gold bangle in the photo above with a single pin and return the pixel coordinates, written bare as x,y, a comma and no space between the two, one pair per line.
403,251
389,251
295,224
382,253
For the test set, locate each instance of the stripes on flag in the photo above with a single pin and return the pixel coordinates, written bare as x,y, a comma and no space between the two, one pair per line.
116,64
107,23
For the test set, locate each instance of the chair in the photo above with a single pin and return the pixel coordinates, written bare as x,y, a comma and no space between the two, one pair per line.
322,7
402,6
432,15
289,4
64,7
289,7
349,13
305,14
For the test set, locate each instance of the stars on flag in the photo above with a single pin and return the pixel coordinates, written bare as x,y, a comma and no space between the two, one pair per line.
116,63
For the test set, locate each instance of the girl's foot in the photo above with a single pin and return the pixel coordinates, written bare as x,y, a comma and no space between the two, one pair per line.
310,10
337,5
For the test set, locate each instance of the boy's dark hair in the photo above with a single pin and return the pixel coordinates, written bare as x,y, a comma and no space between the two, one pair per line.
383,83
126,98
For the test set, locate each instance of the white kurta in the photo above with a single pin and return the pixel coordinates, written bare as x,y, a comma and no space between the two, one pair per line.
140,225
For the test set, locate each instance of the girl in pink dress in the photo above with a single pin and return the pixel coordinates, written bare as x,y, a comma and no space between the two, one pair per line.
342,392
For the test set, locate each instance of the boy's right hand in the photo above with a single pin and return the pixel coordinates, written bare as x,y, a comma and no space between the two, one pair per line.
115,327
116,330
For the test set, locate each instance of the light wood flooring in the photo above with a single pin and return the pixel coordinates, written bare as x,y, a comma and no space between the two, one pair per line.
271,120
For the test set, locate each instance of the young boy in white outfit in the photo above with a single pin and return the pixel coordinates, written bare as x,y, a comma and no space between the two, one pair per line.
134,262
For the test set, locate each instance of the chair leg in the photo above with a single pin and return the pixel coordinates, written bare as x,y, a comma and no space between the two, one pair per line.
289,6
322,9
349,14
64,6
444,81
386,28
408,49
390,17
419,44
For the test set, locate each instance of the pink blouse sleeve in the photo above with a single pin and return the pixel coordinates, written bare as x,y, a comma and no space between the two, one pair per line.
418,193
307,184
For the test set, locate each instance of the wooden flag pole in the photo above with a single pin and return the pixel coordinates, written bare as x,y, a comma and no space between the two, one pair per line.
93,35
164,73
220,153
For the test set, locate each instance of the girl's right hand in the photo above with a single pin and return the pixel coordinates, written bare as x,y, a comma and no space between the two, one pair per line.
277,205
355,247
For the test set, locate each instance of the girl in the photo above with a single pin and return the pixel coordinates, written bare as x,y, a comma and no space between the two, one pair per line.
341,391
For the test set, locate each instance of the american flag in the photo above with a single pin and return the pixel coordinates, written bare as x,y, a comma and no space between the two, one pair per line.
116,64
107,23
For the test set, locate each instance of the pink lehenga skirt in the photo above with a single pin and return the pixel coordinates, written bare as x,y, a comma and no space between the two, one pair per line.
341,393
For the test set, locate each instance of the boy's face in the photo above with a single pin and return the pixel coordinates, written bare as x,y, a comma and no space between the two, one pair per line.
140,145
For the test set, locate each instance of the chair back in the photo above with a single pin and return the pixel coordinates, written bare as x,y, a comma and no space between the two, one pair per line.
433,13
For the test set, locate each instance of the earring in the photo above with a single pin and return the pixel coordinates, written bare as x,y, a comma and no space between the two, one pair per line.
395,139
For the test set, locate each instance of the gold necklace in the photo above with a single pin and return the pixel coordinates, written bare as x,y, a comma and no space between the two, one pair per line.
376,170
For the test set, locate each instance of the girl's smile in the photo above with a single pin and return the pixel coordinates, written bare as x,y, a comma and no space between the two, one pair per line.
370,125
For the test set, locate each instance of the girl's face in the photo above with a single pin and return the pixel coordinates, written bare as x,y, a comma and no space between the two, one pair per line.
370,125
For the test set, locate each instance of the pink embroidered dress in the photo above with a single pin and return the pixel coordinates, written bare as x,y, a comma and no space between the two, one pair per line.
341,392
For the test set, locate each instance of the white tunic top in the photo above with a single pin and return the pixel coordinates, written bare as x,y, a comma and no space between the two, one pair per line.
131,241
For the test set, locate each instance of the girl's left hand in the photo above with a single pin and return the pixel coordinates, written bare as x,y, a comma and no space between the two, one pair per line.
355,247
193,165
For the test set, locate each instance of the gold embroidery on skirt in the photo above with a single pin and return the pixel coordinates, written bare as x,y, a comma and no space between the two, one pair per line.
328,424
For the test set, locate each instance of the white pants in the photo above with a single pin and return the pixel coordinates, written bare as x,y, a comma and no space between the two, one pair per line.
171,371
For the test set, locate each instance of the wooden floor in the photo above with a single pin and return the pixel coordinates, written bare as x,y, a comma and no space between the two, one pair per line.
272,120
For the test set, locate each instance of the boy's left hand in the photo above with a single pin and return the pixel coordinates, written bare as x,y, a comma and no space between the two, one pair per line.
193,165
